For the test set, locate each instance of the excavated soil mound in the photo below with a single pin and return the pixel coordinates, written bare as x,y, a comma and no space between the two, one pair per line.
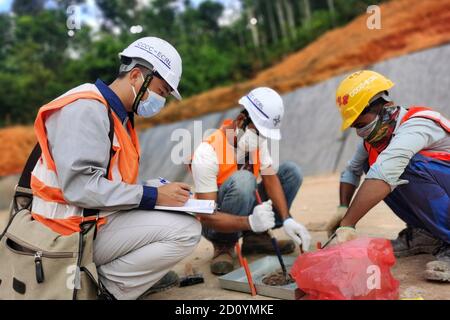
16,144
407,26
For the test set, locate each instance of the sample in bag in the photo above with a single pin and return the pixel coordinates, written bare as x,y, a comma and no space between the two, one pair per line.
358,270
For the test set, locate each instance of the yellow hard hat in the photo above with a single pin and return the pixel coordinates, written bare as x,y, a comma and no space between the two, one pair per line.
355,92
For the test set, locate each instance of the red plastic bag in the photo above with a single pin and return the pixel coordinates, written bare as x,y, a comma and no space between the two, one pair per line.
358,270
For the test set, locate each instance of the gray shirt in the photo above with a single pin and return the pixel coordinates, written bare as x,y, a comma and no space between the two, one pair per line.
79,143
415,135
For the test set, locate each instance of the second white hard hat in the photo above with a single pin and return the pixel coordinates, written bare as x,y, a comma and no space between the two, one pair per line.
265,108
164,58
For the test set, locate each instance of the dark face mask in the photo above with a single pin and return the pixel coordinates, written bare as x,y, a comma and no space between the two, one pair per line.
384,127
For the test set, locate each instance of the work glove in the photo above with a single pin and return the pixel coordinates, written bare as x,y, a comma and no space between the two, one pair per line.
344,234
297,232
335,220
262,218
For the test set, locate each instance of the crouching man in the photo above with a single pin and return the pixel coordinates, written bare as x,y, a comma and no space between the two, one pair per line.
226,167
406,155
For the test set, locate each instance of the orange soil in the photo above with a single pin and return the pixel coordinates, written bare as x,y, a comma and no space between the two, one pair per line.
407,26
16,144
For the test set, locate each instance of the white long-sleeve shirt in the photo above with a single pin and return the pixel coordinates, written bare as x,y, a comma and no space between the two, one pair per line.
408,139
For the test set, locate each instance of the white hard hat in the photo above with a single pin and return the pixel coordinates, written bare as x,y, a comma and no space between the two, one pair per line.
265,108
164,58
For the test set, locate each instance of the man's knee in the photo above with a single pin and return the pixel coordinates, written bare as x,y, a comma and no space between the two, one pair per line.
191,233
242,183
291,172
237,194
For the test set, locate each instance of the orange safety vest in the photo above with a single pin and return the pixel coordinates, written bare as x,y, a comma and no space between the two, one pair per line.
417,112
49,205
226,154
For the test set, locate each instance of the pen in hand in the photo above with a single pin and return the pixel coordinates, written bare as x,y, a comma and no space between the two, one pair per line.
164,181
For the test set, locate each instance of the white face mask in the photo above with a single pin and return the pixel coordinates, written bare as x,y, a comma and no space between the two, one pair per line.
152,105
247,142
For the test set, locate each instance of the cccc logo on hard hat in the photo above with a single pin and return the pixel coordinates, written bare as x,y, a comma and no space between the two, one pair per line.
255,101
158,54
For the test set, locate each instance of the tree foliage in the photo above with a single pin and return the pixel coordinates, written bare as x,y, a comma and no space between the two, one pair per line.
39,61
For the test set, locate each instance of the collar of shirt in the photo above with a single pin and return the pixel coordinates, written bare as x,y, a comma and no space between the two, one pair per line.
402,113
114,102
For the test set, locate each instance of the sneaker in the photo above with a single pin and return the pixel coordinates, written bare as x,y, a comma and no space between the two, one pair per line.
262,243
222,262
167,282
413,241
439,270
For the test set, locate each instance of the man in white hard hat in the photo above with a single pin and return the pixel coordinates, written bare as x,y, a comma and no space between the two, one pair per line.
81,174
89,169
226,167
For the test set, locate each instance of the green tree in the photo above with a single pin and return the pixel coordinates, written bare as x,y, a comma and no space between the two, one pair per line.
120,13
28,7
39,61
209,13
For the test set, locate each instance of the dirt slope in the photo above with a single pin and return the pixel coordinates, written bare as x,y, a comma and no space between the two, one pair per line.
407,26
16,143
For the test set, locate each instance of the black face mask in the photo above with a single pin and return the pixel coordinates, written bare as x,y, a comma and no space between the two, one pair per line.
385,126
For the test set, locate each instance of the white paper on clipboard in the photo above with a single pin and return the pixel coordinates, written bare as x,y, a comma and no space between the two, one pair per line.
193,206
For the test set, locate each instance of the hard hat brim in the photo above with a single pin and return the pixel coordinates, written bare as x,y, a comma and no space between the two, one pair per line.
272,134
176,94
346,124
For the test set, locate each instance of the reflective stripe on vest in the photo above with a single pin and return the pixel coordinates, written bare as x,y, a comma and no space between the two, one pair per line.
49,204
418,112
226,155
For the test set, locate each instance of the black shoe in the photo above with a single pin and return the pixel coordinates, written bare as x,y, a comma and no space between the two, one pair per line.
170,280
413,241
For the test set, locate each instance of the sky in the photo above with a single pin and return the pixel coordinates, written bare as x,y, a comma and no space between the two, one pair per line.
5,5
91,15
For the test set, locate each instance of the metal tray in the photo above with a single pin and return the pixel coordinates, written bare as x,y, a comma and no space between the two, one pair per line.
237,280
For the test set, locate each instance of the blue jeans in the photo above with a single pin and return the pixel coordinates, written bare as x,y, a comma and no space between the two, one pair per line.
237,196
425,201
